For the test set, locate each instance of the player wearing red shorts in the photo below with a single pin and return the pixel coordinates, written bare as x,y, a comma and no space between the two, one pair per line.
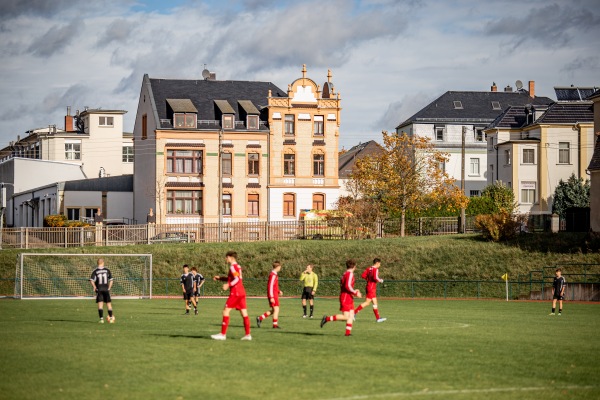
237,296
273,294
371,275
347,293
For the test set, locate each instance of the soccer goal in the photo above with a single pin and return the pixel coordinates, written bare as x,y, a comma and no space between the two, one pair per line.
43,275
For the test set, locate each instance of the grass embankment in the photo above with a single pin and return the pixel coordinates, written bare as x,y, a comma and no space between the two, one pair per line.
452,257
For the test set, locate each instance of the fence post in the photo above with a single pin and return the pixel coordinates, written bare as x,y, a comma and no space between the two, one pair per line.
478,288
26,238
66,239
81,242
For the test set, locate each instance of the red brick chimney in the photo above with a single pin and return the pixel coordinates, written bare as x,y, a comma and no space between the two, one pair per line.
69,121
494,88
531,88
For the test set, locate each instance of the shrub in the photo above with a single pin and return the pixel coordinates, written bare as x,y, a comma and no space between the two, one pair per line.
499,226
55,220
480,205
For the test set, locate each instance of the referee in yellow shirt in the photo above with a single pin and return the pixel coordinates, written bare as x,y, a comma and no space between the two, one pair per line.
310,280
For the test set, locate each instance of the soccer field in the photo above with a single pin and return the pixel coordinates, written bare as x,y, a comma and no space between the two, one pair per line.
55,349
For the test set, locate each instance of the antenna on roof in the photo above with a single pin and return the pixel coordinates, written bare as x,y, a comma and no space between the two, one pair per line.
519,85
205,73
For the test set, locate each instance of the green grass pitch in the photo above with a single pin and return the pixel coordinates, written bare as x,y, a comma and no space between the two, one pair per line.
55,349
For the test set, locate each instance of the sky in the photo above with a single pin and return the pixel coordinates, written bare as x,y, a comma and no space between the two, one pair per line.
388,58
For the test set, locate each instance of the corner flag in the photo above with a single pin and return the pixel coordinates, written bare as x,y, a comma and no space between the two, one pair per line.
505,276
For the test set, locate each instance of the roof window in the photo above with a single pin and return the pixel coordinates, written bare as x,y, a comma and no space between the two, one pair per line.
496,105
458,105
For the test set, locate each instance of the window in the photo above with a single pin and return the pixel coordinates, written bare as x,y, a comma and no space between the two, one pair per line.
474,193
253,164
318,202
479,135
226,204
527,196
319,164
73,214
564,153
252,122
184,120
90,213
318,126
528,156
144,127
442,166
289,164
73,150
127,152
496,105
184,202
289,124
226,164
474,166
253,205
106,121
228,121
457,105
439,134
289,205
506,157
184,161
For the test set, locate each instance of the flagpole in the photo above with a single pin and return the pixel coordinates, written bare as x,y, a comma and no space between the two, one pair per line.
506,280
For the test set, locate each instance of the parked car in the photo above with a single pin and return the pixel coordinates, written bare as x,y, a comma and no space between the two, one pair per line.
170,237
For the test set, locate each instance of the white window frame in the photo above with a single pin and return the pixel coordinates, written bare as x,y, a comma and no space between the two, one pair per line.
472,170
507,157
72,149
564,152
523,161
474,193
106,121
437,130
252,122
127,155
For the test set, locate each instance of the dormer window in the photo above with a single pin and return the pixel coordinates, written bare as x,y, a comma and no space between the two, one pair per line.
252,122
106,121
184,120
228,121
458,105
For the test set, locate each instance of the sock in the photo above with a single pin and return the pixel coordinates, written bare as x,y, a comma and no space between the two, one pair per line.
275,322
376,312
348,329
360,307
100,312
332,318
265,315
247,325
110,313
311,310
304,308
560,310
553,309
224,325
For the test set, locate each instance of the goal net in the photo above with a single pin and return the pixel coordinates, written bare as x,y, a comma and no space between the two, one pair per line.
41,275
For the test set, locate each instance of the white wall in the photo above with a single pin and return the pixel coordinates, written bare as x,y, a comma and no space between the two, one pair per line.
27,216
303,200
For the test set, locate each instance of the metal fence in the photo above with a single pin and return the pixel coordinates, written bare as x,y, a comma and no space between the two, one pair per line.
119,235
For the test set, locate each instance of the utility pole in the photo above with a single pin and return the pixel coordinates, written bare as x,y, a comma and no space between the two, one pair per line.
462,180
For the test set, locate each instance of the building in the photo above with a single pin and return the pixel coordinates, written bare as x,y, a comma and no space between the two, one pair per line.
347,160
531,148
444,119
303,148
211,151
93,139
594,167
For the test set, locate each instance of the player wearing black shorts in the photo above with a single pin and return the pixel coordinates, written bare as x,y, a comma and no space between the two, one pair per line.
558,291
188,286
310,281
199,280
102,282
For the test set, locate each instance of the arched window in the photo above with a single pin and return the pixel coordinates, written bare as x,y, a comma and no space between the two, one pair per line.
318,201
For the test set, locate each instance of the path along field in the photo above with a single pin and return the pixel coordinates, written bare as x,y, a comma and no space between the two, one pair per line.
55,349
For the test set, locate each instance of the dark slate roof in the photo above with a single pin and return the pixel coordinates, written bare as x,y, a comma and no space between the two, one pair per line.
595,161
476,107
347,160
568,113
182,105
594,95
203,94
573,93
121,183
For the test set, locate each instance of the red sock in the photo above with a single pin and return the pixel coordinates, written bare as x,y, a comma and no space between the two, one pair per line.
348,329
332,318
265,315
247,324
275,322
224,325
360,307
376,312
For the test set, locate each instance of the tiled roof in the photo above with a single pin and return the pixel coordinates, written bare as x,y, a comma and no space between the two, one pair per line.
347,160
121,183
512,118
182,105
477,107
568,113
595,161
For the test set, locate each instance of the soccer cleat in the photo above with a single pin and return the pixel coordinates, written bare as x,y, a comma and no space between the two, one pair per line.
310,316
218,336
323,320
559,314
247,337
304,316
258,322
101,321
111,320
348,334
276,327
187,312
381,319
551,313
196,311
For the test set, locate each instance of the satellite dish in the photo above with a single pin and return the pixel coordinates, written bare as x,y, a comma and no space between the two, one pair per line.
205,74
519,85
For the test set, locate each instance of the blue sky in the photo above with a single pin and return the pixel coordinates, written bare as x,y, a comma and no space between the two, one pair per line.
388,58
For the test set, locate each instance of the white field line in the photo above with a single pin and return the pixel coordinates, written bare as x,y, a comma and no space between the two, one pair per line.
461,391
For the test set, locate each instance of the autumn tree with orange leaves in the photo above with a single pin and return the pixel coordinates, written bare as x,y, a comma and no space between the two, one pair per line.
407,176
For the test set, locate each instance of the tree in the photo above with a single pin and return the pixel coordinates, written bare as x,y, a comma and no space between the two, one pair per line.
575,192
502,196
406,176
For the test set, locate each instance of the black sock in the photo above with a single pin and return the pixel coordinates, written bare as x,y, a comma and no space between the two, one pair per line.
560,310
311,310
100,312
110,313
304,308
553,309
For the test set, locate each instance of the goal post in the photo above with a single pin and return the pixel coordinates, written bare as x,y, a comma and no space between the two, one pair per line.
56,275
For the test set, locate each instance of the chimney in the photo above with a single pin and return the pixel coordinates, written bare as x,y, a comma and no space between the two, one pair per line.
531,88
508,88
213,76
494,88
68,121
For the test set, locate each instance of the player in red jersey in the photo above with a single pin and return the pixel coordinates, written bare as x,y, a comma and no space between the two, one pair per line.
371,275
347,293
237,296
273,294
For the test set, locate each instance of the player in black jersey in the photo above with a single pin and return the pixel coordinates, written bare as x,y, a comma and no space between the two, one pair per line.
558,291
199,279
102,282
188,286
